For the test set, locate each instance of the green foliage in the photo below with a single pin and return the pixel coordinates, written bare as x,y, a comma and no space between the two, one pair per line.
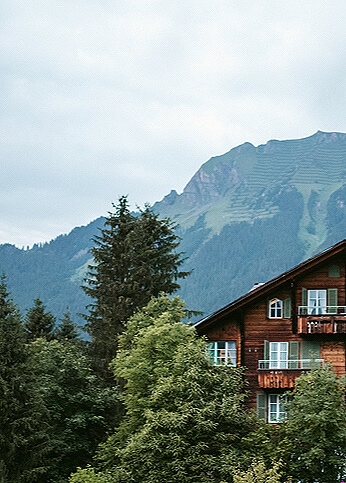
134,259
313,441
39,323
22,439
258,473
66,330
183,416
89,475
79,408
50,271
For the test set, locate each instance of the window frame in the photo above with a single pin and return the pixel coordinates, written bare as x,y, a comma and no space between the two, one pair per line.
270,407
275,308
281,349
279,412
229,358
317,301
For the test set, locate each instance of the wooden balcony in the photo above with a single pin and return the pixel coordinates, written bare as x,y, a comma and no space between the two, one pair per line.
331,320
283,378
276,379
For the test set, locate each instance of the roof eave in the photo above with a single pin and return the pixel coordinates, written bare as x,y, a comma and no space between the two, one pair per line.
266,287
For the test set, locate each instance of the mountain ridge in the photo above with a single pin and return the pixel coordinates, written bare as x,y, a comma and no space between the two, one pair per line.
244,217
246,183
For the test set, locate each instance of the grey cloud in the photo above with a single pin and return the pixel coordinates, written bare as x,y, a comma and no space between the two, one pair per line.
104,98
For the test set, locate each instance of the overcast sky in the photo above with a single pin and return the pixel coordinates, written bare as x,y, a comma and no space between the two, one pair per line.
101,98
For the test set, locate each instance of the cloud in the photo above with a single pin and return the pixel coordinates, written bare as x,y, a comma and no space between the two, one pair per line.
104,98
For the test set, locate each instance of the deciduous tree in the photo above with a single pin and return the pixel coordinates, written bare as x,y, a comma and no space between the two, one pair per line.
314,434
184,418
258,473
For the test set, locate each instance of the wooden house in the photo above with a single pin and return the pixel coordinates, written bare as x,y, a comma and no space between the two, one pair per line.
284,327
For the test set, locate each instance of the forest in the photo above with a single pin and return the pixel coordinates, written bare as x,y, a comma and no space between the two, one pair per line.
140,400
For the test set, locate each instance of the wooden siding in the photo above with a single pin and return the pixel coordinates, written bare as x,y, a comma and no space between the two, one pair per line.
319,279
249,325
334,352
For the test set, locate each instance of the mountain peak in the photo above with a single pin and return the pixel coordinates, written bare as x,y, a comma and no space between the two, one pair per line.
246,215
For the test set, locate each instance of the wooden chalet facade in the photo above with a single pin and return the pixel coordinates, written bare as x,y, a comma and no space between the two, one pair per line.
284,327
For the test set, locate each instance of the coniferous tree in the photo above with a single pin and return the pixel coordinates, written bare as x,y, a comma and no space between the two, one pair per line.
80,410
67,329
39,322
135,258
22,441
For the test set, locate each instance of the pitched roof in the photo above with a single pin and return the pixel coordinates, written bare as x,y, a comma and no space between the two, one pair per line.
262,289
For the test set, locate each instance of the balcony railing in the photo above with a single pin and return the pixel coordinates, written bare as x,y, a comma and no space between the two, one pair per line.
322,320
325,310
290,364
284,377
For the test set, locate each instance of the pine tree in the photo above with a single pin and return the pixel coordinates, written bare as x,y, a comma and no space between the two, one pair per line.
135,258
39,323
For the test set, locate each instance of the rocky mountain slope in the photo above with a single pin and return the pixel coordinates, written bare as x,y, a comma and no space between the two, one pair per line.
244,217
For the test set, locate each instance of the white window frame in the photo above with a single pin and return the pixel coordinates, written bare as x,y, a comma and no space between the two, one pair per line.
278,355
317,301
275,308
276,412
223,352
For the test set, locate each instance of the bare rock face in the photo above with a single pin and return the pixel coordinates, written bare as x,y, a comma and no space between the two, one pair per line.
216,177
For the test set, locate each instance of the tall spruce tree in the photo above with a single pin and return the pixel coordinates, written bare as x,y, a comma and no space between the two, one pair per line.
67,329
135,258
22,439
39,322
80,410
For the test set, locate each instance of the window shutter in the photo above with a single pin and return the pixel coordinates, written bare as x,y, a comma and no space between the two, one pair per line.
293,354
332,300
266,354
287,308
304,300
334,271
262,406
310,351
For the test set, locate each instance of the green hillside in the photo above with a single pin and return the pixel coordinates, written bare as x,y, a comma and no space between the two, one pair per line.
244,217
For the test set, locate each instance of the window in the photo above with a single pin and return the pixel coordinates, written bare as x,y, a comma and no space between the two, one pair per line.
317,302
291,355
270,407
275,309
223,353
276,412
278,355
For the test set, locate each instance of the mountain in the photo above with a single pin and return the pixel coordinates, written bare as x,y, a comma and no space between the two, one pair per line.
53,271
244,217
